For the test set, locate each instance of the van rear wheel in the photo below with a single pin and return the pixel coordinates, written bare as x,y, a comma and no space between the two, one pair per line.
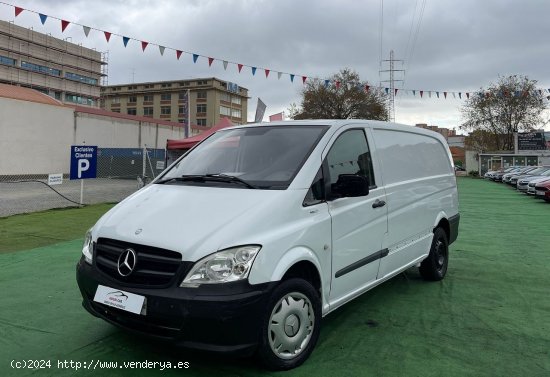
291,324
434,267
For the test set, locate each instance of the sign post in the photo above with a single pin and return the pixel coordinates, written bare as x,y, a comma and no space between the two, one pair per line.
83,164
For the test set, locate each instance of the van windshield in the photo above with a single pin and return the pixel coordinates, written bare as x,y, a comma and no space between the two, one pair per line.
264,157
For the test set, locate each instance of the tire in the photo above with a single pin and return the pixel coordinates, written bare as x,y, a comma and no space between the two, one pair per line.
296,305
434,267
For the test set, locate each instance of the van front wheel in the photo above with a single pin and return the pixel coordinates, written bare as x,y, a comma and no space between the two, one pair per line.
434,267
290,327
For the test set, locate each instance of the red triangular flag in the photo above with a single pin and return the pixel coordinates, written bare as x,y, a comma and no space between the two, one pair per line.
144,45
18,11
304,78
445,94
210,60
178,54
266,73
367,88
64,25
337,84
239,67
107,35
421,93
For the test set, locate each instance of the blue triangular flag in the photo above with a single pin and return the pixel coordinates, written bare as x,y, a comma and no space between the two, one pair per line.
195,57
326,83
125,41
387,90
43,18
253,71
437,93
414,92
291,78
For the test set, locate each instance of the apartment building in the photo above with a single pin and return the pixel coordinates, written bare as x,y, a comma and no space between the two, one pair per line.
210,99
63,70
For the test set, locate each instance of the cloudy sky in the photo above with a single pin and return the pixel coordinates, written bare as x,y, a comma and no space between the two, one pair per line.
453,46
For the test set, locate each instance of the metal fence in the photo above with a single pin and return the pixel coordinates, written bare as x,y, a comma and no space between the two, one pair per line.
120,172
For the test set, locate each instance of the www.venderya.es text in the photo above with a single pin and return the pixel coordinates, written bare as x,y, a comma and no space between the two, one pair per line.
97,364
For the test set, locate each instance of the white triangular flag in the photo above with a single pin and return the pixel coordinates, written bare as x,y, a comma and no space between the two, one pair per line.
86,30
279,74
225,64
161,49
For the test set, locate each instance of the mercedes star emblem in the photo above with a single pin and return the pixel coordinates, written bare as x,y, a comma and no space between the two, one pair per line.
126,262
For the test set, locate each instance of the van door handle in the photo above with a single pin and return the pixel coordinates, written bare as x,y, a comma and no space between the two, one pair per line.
378,203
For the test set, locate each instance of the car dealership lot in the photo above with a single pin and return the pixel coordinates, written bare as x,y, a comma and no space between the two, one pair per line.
489,316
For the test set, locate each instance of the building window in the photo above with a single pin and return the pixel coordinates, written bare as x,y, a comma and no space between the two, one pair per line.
182,96
235,113
115,110
201,122
184,84
75,98
84,79
57,96
40,69
166,85
148,98
225,97
132,111
132,99
7,61
148,111
236,100
132,87
115,100
165,110
225,111
201,94
181,109
201,108
202,82
166,96
148,86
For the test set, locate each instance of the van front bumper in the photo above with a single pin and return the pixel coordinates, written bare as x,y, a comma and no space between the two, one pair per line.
221,318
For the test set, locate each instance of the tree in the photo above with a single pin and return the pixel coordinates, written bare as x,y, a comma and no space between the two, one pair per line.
344,98
511,105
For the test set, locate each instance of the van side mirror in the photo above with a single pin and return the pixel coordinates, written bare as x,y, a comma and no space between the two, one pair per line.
350,185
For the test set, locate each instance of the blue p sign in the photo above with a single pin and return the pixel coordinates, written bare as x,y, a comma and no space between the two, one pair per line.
83,161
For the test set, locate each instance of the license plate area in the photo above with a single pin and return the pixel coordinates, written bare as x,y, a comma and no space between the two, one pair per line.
120,299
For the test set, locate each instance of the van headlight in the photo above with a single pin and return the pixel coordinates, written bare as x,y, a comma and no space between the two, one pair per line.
87,247
222,267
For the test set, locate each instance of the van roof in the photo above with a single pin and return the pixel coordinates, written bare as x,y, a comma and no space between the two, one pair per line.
337,123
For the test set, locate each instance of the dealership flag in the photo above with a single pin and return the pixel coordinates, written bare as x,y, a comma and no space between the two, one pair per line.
260,111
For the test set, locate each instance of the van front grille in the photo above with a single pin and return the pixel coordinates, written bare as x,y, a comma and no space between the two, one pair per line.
153,266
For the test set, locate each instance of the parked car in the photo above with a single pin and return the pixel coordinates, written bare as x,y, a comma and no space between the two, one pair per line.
237,247
534,171
531,190
506,177
542,190
497,177
523,182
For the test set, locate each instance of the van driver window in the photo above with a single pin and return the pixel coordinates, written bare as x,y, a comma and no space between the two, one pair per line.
350,154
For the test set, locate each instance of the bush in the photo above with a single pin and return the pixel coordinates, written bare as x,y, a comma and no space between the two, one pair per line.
473,173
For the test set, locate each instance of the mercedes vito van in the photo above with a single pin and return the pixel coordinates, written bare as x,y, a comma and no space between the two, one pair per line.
244,243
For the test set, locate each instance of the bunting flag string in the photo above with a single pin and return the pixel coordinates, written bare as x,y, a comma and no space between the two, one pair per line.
305,78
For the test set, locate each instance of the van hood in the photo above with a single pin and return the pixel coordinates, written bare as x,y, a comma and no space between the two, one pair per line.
193,220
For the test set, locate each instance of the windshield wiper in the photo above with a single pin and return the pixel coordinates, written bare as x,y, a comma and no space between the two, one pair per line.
209,177
230,178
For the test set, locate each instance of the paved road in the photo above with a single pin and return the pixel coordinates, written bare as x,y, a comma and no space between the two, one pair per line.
27,197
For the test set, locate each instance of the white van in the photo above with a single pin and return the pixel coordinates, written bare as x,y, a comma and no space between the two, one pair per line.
249,239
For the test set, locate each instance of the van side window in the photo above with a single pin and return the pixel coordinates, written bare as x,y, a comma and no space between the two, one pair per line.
350,154
316,193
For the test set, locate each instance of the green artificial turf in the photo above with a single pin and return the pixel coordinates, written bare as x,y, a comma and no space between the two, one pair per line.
490,316
22,232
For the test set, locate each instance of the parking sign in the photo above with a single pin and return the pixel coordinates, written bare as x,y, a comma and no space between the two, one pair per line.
83,161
